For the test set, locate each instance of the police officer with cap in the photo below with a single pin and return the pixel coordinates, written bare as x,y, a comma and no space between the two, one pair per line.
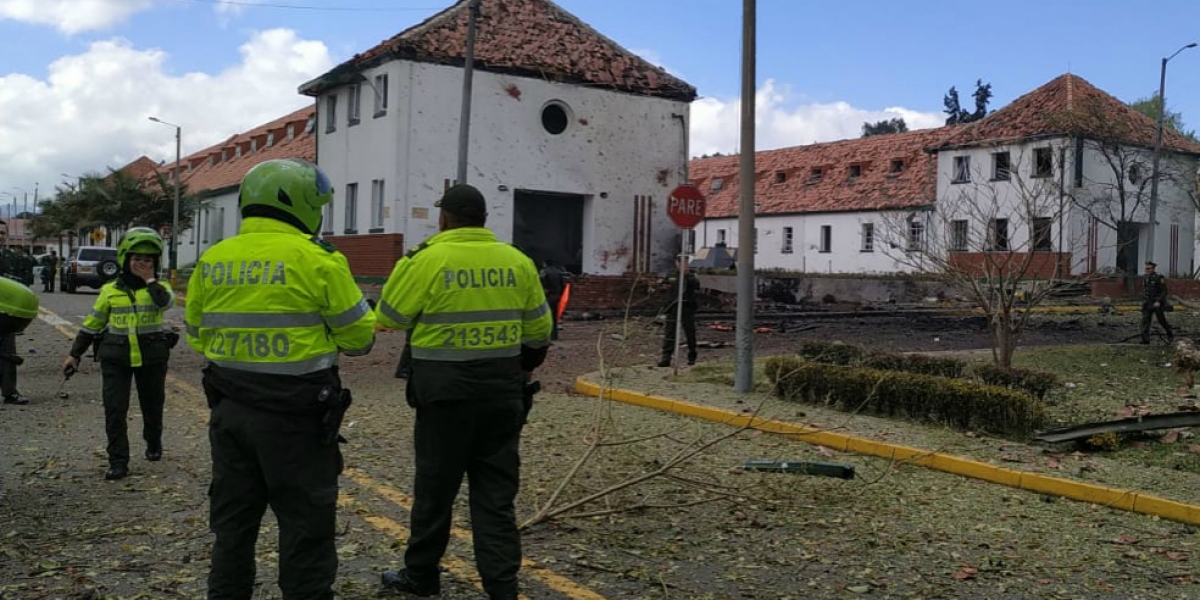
480,325
1154,302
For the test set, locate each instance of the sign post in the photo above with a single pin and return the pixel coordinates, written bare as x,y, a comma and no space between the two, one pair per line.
685,207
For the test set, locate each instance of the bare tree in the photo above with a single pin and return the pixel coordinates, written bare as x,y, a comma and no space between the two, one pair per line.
991,239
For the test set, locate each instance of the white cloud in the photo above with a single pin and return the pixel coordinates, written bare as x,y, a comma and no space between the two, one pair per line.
72,16
92,111
780,122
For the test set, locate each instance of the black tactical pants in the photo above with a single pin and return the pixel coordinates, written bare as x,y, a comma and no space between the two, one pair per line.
1148,311
262,459
151,388
552,302
482,440
689,332
8,368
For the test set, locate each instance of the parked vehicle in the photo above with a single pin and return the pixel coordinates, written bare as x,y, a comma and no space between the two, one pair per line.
90,266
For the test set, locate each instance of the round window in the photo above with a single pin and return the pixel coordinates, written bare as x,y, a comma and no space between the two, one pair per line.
554,118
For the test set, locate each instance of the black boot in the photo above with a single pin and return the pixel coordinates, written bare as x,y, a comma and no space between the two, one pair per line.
400,581
154,452
665,362
117,471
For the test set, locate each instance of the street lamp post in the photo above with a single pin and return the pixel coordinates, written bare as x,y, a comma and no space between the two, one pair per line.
1162,111
173,250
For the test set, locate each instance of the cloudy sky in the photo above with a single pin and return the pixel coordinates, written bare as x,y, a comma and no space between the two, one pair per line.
79,78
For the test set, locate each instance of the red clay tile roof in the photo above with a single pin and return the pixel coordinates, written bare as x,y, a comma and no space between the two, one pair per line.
219,167
140,168
875,187
1067,105
530,38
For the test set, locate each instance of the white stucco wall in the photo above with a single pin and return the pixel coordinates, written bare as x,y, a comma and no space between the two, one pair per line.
616,145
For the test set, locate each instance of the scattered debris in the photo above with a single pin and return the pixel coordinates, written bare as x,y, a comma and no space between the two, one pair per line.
841,471
1128,425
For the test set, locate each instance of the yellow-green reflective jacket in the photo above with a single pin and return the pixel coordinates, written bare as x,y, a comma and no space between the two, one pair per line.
466,297
127,317
274,300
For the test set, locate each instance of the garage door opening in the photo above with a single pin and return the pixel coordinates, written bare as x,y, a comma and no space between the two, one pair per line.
549,226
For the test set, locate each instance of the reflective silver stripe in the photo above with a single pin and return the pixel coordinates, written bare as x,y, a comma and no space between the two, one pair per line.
138,329
386,310
464,354
304,367
348,317
538,343
361,351
537,312
470,316
91,331
261,320
99,316
193,331
120,310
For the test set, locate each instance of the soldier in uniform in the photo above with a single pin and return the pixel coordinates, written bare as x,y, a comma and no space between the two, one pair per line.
17,266
691,286
1154,302
49,270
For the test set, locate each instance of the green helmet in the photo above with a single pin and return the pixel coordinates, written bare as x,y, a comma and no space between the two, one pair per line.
138,240
18,306
295,187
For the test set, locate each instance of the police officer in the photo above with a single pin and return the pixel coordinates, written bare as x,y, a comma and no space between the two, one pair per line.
49,270
271,308
480,325
691,286
1154,302
127,317
16,266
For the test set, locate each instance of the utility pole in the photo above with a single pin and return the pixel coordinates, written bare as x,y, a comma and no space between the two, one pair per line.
1162,111
464,119
744,376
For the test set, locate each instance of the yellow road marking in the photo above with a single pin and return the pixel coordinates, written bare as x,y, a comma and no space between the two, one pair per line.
547,577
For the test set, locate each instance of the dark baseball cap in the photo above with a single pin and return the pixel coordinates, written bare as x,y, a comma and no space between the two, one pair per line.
1151,264
463,199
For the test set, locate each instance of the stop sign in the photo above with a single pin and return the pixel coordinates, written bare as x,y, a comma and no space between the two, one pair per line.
685,206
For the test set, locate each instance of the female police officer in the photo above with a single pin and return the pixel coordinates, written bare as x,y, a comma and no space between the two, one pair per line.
128,319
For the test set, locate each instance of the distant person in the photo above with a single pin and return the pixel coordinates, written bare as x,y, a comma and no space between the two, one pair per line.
49,270
554,282
1154,302
691,286
17,266
134,346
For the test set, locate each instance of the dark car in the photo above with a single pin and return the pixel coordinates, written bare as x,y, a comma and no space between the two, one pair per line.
91,266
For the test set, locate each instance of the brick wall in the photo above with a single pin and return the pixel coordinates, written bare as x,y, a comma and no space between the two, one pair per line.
1188,289
371,255
611,292
1041,265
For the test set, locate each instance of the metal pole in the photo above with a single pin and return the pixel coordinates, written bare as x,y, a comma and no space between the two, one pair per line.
464,119
1162,111
744,377
173,258
682,261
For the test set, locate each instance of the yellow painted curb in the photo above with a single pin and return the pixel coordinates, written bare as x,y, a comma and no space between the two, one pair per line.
1128,500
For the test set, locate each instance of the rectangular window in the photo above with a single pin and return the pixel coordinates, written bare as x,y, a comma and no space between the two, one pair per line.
1040,235
868,237
780,176
855,171
960,236
998,234
330,113
826,239
721,236
1043,162
815,175
756,240
962,169
916,235
381,95
351,208
220,224
691,239
327,218
716,183
1000,166
377,203
353,103
897,166
787,240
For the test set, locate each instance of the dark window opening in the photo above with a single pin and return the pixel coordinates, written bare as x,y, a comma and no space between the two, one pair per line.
1043,162
554,119
1041,234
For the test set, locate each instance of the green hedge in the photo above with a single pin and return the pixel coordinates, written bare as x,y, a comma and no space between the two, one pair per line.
957,403
1034,383
837,353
